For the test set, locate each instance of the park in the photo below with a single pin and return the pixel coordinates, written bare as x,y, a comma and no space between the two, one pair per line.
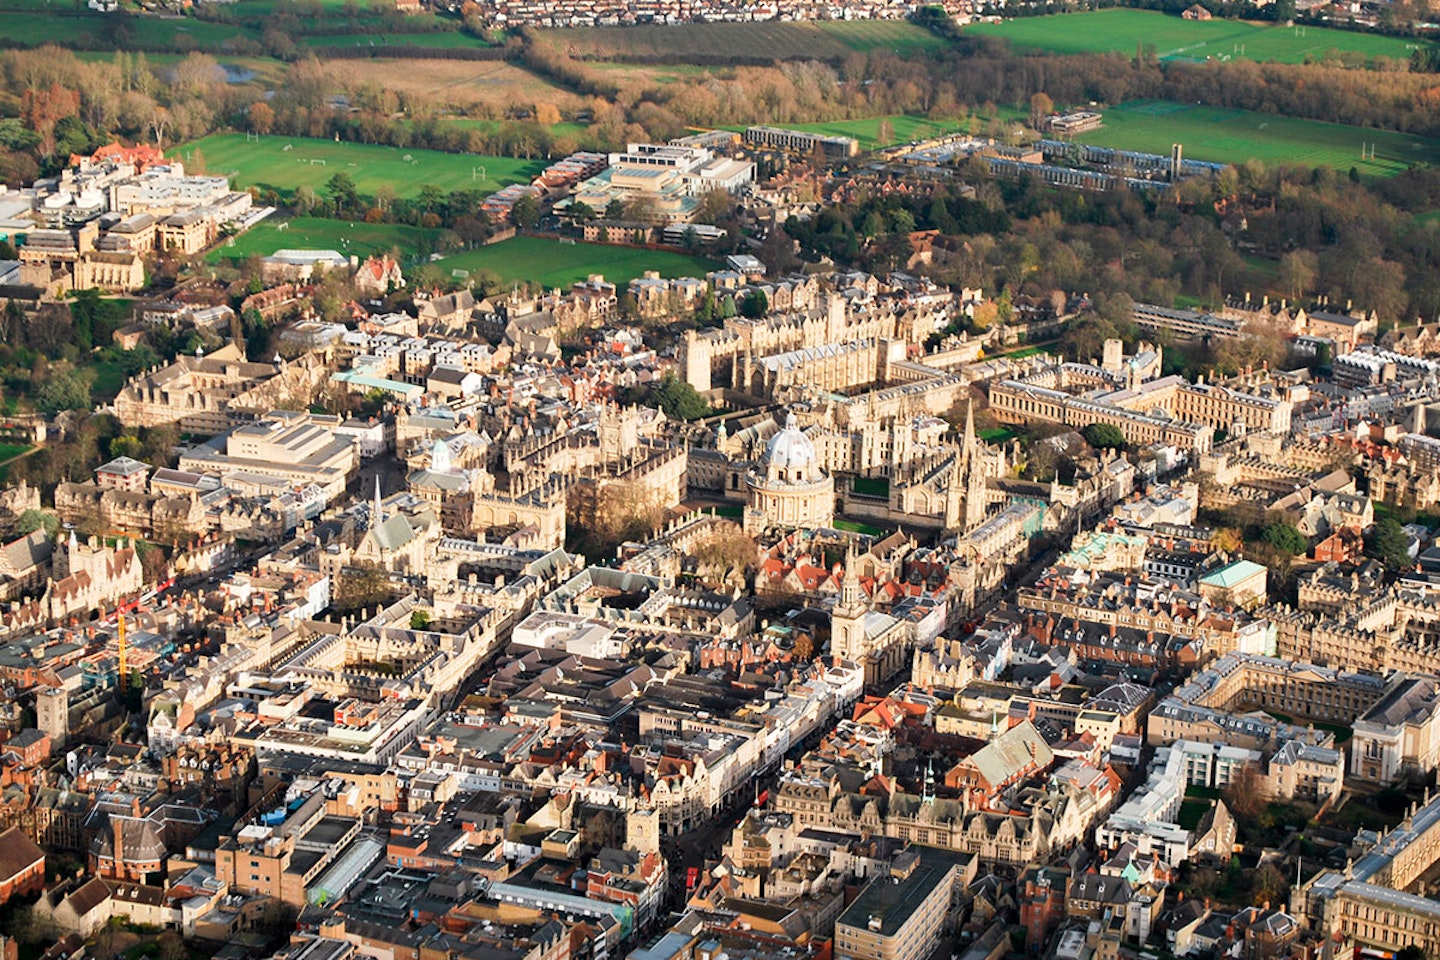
1169,37
285,164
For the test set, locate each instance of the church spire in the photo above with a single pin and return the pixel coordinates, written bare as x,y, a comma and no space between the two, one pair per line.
968,444
379,514
851,596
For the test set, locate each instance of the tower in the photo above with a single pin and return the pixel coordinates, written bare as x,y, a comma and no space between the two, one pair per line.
847,619
377,512
1420,418
52,715
696,361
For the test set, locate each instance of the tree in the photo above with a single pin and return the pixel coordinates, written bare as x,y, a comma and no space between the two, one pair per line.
1390,544
419,620
1244,794
885,132
1413,951
678,399
1284,537
63,390
755,305
1298,272
342,191
1227,540
1041,106
804,647
547,114
38,520
1268,886
526,212
1105,435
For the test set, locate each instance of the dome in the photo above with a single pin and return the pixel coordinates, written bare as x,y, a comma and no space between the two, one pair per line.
440,457
790,449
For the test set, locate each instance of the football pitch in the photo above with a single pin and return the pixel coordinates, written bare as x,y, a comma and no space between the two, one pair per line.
315,233
1171,38
555,263
286,163
1234,136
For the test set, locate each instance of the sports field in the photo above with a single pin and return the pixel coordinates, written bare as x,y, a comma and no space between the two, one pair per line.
314,233
779,40
905,129
555,264
1234,136
285,163
1122,30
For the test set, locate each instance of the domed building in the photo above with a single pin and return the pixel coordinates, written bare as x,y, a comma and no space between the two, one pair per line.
787,487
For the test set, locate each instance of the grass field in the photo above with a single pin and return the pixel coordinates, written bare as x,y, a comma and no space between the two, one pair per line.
450,40
778,40
145,33
268,163
359,238
555,264
1122,30
1233,136
457,86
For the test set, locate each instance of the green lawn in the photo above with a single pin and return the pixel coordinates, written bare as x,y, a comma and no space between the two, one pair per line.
770,39
285,163
315,233
109,378
1191,813
555,264
850,526
140,33
871,486
9,451
1123,30
1233,136
450,39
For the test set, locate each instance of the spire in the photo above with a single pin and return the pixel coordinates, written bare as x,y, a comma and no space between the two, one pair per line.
969,441
851,596
379,514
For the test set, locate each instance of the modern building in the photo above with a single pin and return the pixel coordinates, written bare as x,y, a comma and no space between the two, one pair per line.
903,916
298,448
799,141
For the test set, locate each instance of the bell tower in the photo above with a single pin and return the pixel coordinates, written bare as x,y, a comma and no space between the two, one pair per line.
847,619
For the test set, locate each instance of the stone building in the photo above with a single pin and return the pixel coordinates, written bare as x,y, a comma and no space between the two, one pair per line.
209,395
788,487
